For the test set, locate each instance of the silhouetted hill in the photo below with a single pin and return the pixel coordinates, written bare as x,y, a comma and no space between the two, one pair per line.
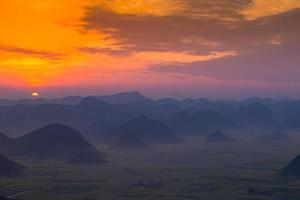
126,97
4,138
168,101
273,136
5,143
253,100
9,167
149,130
206,104
123,97
291,123
256,114
52,141
290,116
293,168
189,102
105,128
218,136
182,121
87,158
158,111
93,108
202,120
93,102
3,197
70,100
210,119
130,142
6,198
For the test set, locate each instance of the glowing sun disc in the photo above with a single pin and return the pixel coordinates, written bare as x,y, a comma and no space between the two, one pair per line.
35,94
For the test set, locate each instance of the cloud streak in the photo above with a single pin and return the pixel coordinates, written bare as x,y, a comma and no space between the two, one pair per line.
31,52
272,64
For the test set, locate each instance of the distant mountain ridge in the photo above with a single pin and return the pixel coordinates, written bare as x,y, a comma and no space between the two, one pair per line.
126,97
256,114
189,115
122,97
135,96
201,120
147,129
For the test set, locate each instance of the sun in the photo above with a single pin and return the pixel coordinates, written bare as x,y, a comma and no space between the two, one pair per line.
35,94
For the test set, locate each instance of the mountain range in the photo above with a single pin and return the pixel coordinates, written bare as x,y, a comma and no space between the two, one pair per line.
98,115
147,129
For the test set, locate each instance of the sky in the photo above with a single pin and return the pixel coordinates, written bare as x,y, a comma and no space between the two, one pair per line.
176,48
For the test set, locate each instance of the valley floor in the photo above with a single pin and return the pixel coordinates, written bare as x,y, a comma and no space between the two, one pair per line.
245,169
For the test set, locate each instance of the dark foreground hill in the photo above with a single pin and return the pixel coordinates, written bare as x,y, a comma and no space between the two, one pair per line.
293,168
4,198
4,139
51,141
130,142
9,167
218,136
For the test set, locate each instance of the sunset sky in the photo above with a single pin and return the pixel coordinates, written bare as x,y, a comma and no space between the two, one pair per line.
178,48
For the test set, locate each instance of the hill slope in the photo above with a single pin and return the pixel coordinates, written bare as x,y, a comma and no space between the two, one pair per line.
149,130
9,167
202,120
52,141
218,136
293,168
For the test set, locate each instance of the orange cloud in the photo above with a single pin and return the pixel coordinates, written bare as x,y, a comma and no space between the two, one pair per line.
144,7
262,8
167,57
